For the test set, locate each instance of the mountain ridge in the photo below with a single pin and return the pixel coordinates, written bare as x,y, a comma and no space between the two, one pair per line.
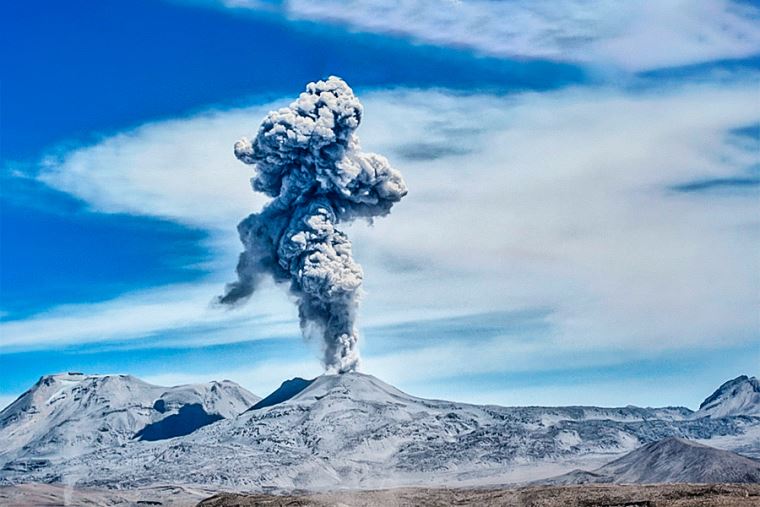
738,396
287,390
355,431
79,413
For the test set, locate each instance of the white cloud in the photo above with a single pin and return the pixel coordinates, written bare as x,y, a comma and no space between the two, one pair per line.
185,169
565,205
557,200
635,34
183,310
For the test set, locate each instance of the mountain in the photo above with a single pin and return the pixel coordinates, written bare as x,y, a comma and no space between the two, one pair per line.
287,390
671,460
740,396
72,414
355,431
680,460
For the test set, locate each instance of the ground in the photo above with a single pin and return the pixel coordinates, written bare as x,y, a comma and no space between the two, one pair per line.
669,495
681,495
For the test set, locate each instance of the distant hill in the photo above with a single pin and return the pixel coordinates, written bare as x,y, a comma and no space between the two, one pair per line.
671,460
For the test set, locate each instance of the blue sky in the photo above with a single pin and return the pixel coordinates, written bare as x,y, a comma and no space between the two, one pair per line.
581,225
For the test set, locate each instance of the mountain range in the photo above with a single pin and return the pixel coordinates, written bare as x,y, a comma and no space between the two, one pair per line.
345,431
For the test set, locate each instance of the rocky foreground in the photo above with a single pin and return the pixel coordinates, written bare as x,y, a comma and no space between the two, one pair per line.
665,495
679,495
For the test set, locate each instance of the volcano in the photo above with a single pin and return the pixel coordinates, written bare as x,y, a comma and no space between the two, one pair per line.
353,430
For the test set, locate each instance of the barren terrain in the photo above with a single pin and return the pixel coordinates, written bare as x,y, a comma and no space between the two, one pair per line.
670,495
665,495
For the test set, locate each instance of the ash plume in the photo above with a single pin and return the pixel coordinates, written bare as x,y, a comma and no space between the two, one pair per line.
307,158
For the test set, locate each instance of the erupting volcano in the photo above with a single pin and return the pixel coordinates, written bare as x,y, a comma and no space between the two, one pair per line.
308,159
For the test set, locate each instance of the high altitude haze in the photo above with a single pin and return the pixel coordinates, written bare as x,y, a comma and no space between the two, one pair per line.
308,159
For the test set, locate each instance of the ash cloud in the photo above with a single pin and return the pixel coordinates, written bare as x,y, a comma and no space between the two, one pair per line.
308,159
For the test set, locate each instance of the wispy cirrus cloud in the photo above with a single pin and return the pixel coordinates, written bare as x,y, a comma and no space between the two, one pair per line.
560,201
181,311
635,35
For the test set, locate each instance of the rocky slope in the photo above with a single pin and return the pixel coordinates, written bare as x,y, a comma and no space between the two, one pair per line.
740,396
677,460
355,431
672,460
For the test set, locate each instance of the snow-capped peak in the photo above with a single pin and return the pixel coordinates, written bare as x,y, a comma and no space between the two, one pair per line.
70,413
353,385
740,396
347,430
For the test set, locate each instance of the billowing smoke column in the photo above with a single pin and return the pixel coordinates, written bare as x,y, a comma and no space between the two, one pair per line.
308,159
